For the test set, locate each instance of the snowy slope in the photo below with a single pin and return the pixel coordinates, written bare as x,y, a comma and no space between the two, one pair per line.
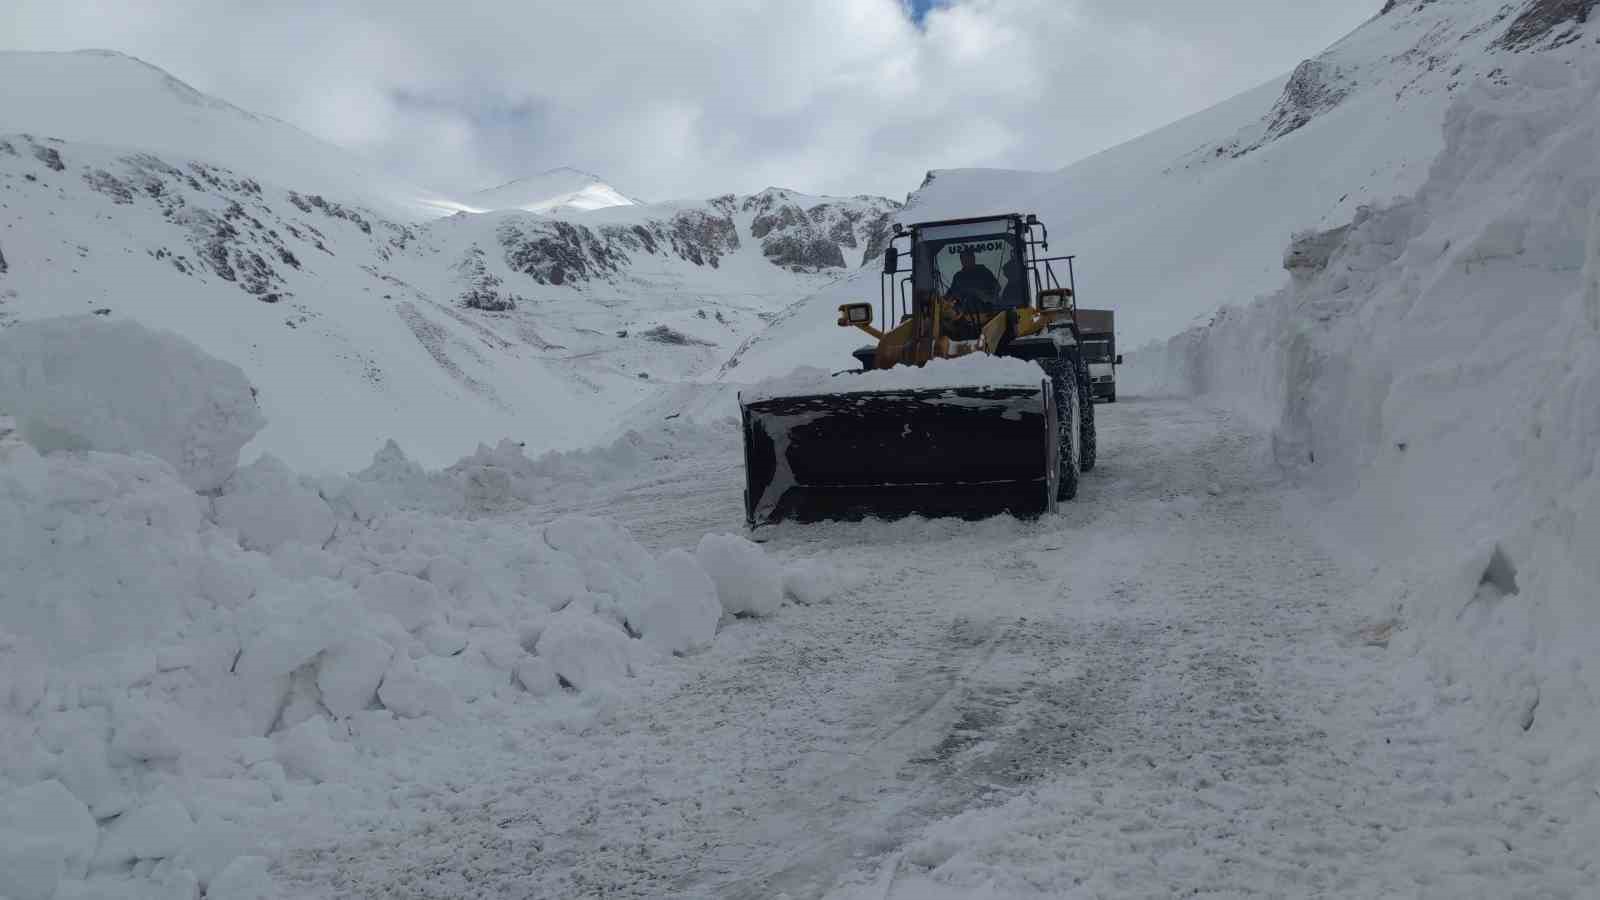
105,97
356,323
1173,225
556,191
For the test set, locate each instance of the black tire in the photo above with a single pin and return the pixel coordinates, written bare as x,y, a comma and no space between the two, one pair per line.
1111,397
1065,390
1086,430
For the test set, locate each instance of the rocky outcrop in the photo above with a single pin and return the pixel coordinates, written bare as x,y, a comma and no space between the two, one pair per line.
662,334
559,252
1315,87
811,238
1547,23
234,232
482,289
803,253
311,202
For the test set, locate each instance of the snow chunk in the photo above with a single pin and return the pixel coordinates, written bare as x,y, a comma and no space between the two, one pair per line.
308,750
269,506
349,674
972,370
748,582
582,650
30,867
406,692
678,610
284,630
47,814
411,601
87,383
158,828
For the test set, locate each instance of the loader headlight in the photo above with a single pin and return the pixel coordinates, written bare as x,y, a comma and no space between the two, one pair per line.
855,314
1054,299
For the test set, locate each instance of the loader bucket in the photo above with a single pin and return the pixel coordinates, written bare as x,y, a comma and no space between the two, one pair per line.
969,452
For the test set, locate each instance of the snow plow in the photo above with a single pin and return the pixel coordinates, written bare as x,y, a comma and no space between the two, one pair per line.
973,401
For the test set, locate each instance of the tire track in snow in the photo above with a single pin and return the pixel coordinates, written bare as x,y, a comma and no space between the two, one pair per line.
1159,690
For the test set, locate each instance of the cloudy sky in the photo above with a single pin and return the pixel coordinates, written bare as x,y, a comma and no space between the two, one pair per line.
686,98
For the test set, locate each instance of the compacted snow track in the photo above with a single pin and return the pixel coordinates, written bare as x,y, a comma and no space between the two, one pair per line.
1163,690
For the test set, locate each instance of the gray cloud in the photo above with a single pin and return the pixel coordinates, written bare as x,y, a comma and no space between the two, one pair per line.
688,99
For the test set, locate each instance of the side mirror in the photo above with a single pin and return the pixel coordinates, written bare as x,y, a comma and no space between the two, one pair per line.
1119,359
855,315
891,261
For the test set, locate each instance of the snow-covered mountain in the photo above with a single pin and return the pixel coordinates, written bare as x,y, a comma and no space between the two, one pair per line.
357,321
556,191
1172,225
105,97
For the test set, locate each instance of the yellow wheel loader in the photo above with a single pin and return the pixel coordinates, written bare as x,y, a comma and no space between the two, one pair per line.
849,451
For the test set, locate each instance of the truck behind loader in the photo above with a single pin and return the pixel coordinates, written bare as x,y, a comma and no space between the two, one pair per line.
1098,338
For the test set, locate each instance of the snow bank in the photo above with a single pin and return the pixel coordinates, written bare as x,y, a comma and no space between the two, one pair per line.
976,369
503,478
183,673
1435,366
86,383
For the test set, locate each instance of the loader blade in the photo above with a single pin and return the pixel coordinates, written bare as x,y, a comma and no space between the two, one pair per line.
966,451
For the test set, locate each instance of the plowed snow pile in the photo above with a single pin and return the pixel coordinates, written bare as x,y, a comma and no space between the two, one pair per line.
978,369
1435,366
185,675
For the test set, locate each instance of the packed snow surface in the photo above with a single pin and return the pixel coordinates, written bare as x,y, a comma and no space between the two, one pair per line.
972,370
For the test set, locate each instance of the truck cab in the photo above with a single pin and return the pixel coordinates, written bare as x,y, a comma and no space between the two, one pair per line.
1097,341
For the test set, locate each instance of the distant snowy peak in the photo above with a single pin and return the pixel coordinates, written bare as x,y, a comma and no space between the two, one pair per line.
1413,46
563,190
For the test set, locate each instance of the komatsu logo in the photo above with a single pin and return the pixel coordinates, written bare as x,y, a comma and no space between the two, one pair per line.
989,247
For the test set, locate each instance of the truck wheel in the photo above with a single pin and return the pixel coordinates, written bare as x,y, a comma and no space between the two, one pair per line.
1068,424
1086,429
1112,397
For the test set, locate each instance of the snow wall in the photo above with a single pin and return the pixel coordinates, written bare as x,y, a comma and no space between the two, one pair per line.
196,658
1433,369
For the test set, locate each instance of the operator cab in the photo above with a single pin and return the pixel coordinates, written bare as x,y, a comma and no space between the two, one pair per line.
980,264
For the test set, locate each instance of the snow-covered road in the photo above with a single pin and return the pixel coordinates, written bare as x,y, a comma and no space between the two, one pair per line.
1164,690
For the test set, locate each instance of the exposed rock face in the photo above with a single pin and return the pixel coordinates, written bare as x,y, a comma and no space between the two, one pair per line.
810,239
558,252
482,290
1314,88
1547,23
663,334
235,232
49,156
803,253
314,202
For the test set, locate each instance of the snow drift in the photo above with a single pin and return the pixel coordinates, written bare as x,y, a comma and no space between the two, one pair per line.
1435,367
179,671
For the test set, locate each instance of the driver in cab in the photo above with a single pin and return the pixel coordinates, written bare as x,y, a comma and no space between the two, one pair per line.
974,286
